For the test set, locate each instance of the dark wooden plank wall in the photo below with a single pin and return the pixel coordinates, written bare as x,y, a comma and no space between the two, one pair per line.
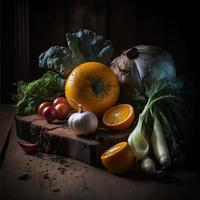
6,49
30,27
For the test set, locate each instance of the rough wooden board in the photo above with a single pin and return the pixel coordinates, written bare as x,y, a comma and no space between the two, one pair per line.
80,148
57,138
29,118
29,127
68,133
80,181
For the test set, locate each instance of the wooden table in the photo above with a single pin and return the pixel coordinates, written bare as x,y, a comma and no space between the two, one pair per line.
49,177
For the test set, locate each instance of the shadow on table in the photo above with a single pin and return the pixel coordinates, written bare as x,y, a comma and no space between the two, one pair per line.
169,177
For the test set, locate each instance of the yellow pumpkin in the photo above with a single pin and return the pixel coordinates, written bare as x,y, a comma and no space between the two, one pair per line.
94,86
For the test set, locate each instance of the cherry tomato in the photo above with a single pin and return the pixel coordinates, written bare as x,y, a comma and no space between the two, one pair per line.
62,111
49,113
43,106
60,100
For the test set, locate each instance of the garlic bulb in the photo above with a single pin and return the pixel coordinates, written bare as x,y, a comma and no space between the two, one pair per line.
83,122
141,65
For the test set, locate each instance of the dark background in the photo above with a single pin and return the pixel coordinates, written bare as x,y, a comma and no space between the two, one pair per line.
30,27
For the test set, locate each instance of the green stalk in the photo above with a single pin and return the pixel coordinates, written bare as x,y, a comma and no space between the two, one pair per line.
150,103
159,144
137,140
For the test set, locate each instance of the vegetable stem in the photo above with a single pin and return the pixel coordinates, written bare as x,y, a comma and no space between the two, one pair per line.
80,107
151,103
137,139
161,94
159,144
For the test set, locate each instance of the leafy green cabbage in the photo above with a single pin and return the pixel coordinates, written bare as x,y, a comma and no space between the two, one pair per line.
82,46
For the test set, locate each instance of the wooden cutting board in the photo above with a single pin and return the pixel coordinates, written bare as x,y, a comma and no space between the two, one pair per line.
59,139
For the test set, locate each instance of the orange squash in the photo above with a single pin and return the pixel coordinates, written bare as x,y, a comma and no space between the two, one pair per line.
94,86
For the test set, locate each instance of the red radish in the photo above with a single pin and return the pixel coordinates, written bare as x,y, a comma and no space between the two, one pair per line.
62,111
49,113
43,106
60,100
28,148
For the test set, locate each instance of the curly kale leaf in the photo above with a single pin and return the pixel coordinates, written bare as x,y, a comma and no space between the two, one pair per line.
56,59
31,95
82,46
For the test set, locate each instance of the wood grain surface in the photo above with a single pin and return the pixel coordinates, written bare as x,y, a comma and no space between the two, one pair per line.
7,113
44,176
57,138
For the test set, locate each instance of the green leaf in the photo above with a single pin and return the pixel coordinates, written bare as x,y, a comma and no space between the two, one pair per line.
82,46
31,95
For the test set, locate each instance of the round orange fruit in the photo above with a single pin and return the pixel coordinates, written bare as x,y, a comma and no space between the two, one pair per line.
118,158
119,117
94,86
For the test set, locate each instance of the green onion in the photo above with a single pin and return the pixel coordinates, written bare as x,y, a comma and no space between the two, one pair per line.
161,96
137,140
159,144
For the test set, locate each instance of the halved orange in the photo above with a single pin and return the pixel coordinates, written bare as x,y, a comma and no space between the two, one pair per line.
119,117
118,158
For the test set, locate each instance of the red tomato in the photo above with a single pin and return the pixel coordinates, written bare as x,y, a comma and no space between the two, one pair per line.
43,106
49,113
60,100
62,111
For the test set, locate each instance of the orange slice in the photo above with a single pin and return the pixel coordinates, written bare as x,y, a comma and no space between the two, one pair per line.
118,158
119,117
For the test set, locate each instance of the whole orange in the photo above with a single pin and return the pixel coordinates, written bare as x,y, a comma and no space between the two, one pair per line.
94,86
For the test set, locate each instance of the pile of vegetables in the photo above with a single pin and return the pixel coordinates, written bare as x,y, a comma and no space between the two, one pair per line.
160,125
147,78
82,46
